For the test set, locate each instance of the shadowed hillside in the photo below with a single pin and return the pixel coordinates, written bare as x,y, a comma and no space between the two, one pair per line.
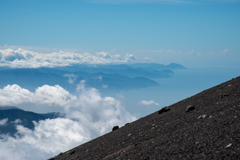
204,126
16,116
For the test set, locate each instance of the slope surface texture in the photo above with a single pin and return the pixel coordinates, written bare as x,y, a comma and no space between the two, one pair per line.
204,126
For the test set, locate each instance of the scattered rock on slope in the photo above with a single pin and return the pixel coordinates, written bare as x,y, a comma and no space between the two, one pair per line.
176,135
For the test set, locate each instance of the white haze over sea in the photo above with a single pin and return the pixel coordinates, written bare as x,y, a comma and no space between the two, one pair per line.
183,84
88,115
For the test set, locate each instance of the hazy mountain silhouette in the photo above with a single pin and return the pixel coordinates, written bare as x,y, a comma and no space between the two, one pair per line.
16,116
117,77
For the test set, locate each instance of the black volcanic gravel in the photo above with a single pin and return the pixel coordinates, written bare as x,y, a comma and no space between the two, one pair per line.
210,130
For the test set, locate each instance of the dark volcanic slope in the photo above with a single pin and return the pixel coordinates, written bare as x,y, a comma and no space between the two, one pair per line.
210,131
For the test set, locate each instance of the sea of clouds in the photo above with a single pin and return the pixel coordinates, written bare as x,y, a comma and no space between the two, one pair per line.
87,116
23,58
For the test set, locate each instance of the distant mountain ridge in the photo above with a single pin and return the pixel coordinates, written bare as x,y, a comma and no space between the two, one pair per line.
8,107
157,66
16,116
117,77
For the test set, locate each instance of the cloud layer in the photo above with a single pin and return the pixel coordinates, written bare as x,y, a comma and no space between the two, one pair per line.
144,102
3,121
22,58
88,115
12,95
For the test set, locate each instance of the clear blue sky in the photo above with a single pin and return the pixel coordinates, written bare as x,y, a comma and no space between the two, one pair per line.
203,27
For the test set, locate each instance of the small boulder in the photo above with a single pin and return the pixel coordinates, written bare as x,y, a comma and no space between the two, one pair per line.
190,108
229,145
115,128
165,109
72,152
222,96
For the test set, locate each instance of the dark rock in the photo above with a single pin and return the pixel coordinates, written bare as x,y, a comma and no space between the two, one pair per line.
165,109
190,108
115,128
72,152
223,95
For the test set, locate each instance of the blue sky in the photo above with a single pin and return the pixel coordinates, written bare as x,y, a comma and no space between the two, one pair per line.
142,28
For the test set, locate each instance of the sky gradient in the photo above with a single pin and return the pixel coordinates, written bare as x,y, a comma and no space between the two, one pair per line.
154,31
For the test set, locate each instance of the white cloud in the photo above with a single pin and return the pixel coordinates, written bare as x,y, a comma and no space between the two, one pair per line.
224,51
147,58
117,56
99,77
3,121
168,51
71,78
49,138
18,121
12,95
190,52
150,51
22,58
130,57
88,115
104,55
105,86
144,102
81,85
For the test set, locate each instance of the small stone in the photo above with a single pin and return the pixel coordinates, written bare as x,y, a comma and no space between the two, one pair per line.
129,134
115,128
229,145
126,124
223,95
165,109
202,116
72,152
190,108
